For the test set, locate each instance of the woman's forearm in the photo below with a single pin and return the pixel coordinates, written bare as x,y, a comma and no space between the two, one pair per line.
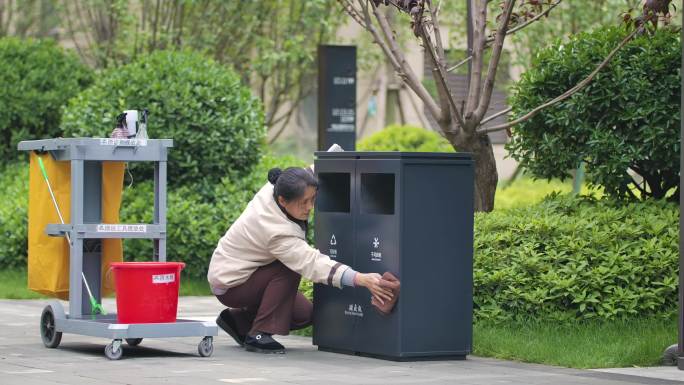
349,277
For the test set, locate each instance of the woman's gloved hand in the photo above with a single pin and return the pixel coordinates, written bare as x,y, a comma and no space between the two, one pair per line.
371,281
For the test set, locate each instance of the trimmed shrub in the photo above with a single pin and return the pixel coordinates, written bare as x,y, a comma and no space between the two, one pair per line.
216,123
405,138
577,258
628,118
194,225
14,185
38,79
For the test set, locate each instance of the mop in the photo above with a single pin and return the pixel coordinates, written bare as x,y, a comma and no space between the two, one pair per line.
95,307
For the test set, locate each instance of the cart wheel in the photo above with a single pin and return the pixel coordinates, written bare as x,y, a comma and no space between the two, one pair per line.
48,333
206,347
114,351
133,341
670,356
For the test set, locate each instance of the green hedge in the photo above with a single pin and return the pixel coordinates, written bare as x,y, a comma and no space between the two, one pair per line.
195,224
405,138
38,78
216,123
14,215
628,117
576,258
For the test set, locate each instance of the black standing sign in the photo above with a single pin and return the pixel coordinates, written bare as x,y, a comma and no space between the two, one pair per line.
337,96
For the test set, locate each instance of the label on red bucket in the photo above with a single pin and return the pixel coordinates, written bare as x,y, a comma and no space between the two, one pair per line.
163,278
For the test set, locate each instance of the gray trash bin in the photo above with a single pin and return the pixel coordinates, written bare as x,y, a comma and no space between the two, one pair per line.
410,214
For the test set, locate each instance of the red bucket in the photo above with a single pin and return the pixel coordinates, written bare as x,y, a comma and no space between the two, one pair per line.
147,292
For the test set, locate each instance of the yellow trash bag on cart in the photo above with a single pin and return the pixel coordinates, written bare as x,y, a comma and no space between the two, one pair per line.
48,257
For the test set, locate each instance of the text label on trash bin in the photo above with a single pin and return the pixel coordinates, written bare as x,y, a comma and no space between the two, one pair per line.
163,278
376,256
354,310
121,228
333,252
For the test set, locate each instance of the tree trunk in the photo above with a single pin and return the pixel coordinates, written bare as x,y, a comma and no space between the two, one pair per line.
486,176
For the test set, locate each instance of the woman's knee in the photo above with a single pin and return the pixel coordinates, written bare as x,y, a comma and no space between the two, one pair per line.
303,312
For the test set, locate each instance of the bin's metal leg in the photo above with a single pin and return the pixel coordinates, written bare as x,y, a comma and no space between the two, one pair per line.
76,309
160,208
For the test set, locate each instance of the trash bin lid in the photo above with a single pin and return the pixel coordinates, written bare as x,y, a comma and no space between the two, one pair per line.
393,155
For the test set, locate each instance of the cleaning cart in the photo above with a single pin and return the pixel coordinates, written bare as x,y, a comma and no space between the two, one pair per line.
87,233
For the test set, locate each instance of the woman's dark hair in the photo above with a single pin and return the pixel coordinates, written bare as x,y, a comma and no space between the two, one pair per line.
291,183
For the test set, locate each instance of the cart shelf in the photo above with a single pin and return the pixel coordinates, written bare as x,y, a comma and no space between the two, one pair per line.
106,230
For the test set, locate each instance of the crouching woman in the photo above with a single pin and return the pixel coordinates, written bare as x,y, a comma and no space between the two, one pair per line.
257,265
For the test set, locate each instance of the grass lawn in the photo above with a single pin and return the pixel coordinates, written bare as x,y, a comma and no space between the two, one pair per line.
526,191
638,342
13,285
582,345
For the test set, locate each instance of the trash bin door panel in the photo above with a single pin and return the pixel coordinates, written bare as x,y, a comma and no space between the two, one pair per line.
334,221
377,217
377,251
334,236
333,327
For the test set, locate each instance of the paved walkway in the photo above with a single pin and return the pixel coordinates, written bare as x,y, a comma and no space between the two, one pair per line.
80,360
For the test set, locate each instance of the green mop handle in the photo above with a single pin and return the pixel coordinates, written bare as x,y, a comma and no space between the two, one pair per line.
52,195
94,306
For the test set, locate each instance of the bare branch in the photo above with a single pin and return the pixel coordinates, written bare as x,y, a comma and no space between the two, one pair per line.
72,33
420,112
486,96
437,64
528,22
478,50
459,64
439,8
440,75
287,116
367,23
353,12
494,116
438,36
406,72
567,93
390,48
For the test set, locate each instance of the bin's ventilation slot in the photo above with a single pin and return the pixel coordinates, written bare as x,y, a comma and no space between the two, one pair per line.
377,194
334,192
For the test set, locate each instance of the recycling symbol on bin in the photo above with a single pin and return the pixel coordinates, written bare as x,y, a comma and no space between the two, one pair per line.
376,242
333,241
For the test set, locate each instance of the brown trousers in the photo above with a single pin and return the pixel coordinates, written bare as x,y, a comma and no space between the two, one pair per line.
269,302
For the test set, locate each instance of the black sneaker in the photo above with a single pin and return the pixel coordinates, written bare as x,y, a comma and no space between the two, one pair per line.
263,343
226,322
